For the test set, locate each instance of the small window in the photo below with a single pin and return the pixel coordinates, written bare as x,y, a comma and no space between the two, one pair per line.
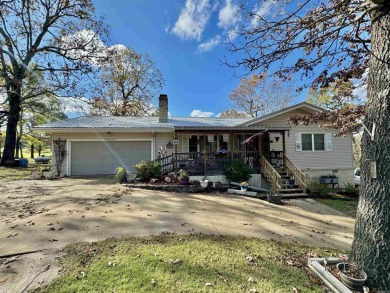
319,142
307,142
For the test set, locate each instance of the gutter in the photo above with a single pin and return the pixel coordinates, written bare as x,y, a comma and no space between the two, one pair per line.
105,130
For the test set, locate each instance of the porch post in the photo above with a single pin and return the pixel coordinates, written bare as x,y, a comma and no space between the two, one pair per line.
175,160
284,148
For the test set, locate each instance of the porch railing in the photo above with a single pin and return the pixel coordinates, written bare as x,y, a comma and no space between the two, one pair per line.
270,173
298,175
197,163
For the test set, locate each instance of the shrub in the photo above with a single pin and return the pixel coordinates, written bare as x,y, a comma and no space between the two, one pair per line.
351,190
320,189
148,169
121,175
237,171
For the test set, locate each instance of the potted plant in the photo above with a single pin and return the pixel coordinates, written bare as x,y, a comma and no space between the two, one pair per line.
291,182
121,175
204,183
352,277
183,177
275,198
244,186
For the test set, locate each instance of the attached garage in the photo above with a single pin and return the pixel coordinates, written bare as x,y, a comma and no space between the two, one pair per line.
103,157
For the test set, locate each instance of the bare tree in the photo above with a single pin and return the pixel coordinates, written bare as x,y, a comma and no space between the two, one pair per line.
56,37
259,95
129,83
233,114
325,41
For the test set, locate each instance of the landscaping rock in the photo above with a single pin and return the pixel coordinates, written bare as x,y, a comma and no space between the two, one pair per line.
154,180
168,180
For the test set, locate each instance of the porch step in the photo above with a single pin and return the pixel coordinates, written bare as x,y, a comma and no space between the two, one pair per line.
294,195
289,190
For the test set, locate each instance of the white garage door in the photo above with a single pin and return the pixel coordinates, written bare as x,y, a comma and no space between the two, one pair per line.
98,157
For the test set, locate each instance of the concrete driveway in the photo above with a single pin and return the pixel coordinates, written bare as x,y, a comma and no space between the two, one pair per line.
44,216
37,215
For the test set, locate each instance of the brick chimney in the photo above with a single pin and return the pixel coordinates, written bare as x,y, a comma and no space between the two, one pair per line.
163,108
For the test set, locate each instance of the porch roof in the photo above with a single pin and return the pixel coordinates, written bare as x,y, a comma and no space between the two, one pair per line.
250,129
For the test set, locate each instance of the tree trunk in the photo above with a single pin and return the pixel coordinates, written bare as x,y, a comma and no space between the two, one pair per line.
32,152
12,124
371,246
17,148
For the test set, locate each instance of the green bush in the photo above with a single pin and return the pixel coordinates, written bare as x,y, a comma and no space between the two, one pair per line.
237,171
351,190
121,175
148,169
320,189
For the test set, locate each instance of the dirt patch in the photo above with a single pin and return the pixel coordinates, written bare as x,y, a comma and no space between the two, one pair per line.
22,273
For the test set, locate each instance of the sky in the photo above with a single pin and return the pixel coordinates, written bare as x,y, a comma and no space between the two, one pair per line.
184,38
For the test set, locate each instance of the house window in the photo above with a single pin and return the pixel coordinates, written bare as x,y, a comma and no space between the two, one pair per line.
313,142
307,144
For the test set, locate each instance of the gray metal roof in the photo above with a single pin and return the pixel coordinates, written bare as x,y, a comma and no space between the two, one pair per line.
107,122
141,122
120,122
207,121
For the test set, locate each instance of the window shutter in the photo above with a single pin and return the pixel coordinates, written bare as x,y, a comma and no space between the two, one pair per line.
298,142
328,142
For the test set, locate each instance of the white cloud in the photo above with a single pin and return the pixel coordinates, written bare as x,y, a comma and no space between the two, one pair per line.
228,15
199,113
193,19
360,90
262,11
209,45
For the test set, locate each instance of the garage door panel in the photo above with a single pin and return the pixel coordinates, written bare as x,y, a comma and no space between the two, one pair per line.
97,157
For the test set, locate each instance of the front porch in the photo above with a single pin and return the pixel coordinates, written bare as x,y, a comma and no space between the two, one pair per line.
263,150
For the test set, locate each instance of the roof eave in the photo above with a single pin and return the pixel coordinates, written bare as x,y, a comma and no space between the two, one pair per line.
98,130
283,111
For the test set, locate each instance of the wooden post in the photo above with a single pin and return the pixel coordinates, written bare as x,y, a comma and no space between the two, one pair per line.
32,152
205,163
284,149
175,160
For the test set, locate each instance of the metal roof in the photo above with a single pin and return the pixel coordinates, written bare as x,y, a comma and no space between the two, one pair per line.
152,123
107,122
120,122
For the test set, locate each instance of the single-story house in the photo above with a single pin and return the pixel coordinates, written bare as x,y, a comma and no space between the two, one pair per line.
98,145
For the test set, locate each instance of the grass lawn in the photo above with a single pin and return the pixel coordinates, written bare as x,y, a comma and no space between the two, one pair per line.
20,173
342,203
195,263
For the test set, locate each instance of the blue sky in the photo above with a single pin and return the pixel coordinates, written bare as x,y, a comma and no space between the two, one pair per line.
184,38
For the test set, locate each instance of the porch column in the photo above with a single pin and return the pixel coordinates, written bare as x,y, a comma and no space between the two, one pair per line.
284,148
175,160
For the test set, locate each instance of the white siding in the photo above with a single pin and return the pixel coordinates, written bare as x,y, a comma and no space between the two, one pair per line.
341,156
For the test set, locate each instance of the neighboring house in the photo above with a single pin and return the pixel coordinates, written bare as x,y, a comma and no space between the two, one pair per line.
98,145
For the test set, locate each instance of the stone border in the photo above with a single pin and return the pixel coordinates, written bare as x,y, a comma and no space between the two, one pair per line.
191,188
316,266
